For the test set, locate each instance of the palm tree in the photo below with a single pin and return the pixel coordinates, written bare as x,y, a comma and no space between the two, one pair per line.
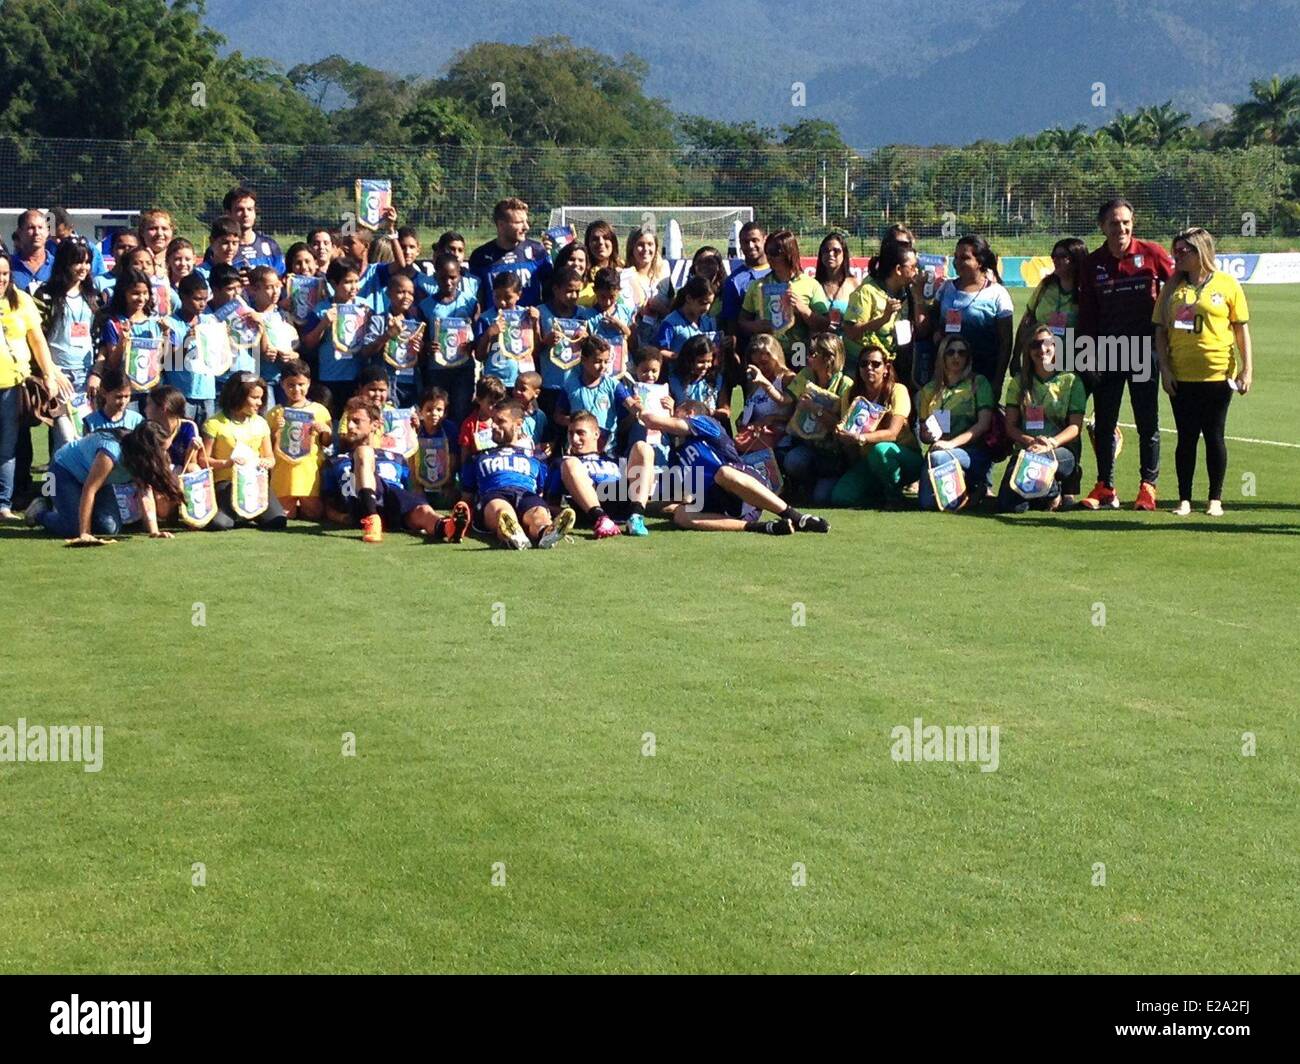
1165,127
1072,139
1270,115
1125,130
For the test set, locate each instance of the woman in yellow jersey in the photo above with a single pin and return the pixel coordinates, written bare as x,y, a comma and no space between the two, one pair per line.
22,343
787,302
888,457
1044,416
1201,313
953,415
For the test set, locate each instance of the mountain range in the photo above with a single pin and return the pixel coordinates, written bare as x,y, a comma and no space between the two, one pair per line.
937,72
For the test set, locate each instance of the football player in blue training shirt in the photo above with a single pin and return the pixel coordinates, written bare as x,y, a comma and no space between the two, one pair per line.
367,486
506,482
718,481
511,252
596,484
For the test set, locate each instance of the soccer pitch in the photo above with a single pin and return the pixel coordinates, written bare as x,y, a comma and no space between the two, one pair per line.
629,757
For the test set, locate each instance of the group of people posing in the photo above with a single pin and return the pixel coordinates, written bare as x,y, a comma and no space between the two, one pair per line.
531,385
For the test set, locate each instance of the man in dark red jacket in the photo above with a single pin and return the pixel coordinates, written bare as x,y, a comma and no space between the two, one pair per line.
1117,294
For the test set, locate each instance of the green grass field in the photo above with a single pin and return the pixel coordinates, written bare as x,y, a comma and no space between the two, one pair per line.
523,744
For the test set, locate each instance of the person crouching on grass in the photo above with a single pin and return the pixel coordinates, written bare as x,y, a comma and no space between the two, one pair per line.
367,487
711,465
584,473
85,470
506,483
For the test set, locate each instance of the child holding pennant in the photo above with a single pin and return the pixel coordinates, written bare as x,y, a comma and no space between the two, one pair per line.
303,287
204,347
450,314
507,331
243,325
237,442
1044,411
335,331
300,432
562,326
396,338
437,450
133,338
613,319
279,339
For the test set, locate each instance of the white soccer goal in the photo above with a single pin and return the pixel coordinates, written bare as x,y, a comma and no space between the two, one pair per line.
699,225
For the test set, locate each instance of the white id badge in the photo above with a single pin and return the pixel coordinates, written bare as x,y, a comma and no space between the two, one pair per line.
903,332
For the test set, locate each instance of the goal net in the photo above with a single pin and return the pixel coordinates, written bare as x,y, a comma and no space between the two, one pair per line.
698,225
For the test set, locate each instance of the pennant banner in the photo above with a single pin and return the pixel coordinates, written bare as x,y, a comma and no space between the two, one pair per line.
295,441
200,502
250,490
455,342
1034,474
403,351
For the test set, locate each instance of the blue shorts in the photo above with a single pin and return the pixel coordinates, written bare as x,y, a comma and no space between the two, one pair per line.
391,503
717,501
521,501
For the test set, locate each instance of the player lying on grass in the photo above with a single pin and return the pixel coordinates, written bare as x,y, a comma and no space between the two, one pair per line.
595,483
506,483
718,481
366,486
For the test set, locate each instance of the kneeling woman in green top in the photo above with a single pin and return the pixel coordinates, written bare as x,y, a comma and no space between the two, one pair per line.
882,460
1044,410
953,415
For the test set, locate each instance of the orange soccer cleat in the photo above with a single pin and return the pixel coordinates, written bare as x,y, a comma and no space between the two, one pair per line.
372,529
1146,499
1100,497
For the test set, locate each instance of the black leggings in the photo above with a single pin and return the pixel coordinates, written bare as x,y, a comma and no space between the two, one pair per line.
1201,409
271,519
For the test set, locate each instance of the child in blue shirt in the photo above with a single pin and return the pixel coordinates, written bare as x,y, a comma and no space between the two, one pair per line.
131,327
199,389
537,426
589,388
113,402
558,344
438,453
612,320
506,365
694,378
392,340
448,312
228,306
279,339
338,365
689,317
